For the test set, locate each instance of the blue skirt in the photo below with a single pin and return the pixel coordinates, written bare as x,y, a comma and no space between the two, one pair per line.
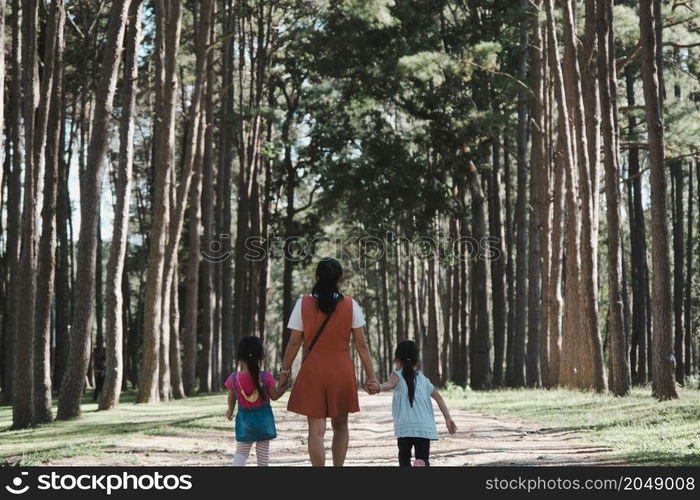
255,424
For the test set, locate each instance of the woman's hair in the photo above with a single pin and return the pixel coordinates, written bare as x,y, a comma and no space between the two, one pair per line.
251,352
328,272
407,354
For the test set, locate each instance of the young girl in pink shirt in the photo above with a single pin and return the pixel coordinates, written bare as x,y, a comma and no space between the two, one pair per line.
252,389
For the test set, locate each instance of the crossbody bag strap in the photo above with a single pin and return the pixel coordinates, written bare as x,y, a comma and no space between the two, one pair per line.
315,339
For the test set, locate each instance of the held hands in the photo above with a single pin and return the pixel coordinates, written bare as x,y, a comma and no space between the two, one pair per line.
372,386
283,381
451,426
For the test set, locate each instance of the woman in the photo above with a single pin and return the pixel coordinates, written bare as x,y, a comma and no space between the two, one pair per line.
326,386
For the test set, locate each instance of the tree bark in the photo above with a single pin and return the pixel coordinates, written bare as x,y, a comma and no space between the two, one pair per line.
72,384
565,176
510,271
582,361
521,212
620,378
538,179
498,270
676,168
638,247
663,362
168,25
688,319
23,401
225,168
2,96
52,97
481,375
114,301
208,238
14,195
189,363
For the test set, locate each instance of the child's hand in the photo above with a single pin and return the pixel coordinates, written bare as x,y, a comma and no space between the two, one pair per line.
229,414
451,426
372,387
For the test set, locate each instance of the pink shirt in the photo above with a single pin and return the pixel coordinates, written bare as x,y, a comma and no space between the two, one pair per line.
245,381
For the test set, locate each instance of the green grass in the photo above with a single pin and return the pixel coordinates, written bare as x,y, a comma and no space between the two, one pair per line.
638,429
96,430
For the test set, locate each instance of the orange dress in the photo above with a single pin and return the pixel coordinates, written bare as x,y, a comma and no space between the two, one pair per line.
326,385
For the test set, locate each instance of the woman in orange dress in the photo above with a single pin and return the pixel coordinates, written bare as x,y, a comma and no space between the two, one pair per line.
326,386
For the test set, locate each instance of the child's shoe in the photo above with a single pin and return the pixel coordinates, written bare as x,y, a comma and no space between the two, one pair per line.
418,463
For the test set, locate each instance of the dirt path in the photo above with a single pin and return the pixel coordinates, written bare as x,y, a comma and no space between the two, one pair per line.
481,440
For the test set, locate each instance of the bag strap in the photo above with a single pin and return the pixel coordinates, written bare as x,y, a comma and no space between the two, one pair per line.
315,339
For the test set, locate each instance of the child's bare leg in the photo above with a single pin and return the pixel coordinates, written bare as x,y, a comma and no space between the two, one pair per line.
262,452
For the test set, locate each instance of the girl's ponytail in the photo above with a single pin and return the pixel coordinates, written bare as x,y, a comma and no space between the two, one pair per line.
254,369
328,272
407,354
251,352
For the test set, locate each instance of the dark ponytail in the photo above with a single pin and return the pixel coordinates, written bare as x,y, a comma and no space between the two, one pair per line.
407,354
251,352
328,272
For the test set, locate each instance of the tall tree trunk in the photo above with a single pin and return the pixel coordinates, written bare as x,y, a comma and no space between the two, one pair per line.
620,378
510,270
481,374
545,197
52,88
2,96
208,237
538,178
168,25
431,360
401,321
114,301
565,173
521,211
178,389
582,361
90,196
663,362
14,195
498,269
456,322
189,364
63,271
638,245
678,285
225,168
688,320
23,401
386,319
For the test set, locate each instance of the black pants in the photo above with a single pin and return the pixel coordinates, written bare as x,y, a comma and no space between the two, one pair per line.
406,445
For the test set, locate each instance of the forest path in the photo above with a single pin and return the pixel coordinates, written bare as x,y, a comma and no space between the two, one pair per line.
480,440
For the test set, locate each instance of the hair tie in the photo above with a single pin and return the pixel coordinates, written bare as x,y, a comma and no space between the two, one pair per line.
408,359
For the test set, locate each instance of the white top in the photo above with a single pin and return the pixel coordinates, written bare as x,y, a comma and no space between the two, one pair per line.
295,322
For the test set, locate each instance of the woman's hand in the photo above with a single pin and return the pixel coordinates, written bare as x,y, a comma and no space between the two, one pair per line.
372,386
283,381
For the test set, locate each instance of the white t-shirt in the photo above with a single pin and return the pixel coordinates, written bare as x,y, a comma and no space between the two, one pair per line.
295,322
